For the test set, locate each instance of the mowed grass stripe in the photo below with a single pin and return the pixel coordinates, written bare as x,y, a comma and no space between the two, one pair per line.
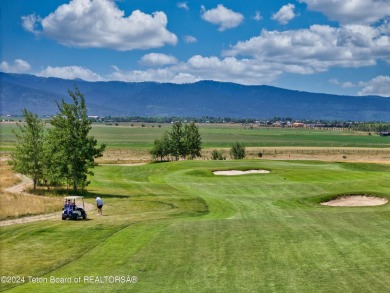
270,235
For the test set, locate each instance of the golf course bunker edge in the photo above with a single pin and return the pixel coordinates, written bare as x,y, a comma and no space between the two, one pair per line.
356,200
239,172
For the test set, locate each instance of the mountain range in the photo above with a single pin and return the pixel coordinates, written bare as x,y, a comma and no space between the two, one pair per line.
200,99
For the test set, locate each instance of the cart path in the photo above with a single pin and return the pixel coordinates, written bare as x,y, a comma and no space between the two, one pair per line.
20,189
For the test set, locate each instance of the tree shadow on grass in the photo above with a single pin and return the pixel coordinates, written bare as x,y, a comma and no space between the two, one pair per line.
62,192
89,194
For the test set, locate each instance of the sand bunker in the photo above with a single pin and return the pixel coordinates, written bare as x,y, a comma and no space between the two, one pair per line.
356,201
238,172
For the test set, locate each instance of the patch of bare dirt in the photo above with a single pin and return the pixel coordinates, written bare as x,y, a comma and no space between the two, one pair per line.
22,186
356,201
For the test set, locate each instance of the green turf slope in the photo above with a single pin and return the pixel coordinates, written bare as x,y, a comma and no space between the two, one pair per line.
179,228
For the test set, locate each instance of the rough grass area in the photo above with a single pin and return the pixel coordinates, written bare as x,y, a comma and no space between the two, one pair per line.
19,205
7,177
179,228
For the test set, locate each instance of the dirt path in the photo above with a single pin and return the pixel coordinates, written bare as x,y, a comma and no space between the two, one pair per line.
20,189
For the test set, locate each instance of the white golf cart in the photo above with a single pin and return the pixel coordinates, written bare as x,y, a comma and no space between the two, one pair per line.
74,208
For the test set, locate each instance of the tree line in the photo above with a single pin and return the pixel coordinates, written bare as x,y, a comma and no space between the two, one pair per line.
62,154
371,127
182,141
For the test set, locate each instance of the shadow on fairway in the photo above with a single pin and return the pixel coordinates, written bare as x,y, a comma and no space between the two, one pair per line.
102,195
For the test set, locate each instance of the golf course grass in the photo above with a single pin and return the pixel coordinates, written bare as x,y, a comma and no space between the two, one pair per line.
177,227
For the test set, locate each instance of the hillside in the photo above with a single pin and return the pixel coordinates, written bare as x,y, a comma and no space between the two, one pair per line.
204,98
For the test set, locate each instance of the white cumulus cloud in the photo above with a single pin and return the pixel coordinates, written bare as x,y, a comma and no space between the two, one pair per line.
285,14
190,39
157,59
183,5
346,84
18,66
198,68
70,72
379,86
156,75
222,16
351,11
318,48
100,24
31,23
231,69
257,16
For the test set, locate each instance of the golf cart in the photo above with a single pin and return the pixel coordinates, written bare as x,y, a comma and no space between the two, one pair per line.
74,208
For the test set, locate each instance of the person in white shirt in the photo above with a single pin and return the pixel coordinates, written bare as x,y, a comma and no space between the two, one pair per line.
99,204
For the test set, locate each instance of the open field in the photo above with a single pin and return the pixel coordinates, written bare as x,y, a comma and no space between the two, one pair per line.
126,136
127,143
178,227
344,154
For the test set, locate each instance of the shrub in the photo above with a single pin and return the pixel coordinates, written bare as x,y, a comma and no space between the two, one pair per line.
237,152
217,155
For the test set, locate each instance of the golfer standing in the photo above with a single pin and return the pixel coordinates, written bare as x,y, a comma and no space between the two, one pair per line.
99,204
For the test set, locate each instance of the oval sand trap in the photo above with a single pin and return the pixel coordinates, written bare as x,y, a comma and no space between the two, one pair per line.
238,172
356,201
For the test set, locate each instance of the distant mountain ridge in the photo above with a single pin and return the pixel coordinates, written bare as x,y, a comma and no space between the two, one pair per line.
204,98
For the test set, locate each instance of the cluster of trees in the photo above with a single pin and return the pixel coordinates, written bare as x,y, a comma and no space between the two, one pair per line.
237,152
62,154
182,141
371,127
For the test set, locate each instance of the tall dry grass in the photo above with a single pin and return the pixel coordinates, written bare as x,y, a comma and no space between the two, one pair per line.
18,205
7,177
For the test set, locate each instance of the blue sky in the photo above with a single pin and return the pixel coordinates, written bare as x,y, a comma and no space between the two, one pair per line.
334,46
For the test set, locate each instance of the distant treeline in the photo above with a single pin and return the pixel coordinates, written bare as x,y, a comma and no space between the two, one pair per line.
372,127
358,126
206,119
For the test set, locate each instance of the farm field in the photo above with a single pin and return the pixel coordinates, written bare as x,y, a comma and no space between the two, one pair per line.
130,142
222,135
177,227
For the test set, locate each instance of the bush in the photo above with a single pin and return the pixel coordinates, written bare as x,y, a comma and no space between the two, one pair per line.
237,152
217,155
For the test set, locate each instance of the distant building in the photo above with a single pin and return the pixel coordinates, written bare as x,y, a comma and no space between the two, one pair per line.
298,124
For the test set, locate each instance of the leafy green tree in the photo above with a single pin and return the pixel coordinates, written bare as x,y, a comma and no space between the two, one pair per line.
28,157
237,151
180,141
161,148
192,141
70,147
176,141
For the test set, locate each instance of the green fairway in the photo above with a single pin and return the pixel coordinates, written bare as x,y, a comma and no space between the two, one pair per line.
177,227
